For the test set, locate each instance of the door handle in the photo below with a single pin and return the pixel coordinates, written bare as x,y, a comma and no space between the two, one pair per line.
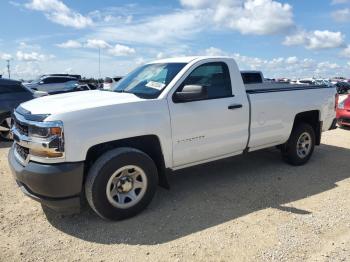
234,106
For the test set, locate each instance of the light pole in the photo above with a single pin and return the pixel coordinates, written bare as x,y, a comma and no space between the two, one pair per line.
99,62
8,68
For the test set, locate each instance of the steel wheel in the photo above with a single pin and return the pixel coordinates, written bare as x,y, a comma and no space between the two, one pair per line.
5,127
126,187
304,145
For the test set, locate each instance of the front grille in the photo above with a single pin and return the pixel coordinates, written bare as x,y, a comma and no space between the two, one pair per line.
23,129
22,151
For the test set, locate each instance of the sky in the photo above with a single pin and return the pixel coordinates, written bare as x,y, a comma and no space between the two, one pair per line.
282,38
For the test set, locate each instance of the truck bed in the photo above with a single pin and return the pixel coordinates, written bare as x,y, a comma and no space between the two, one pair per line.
274,106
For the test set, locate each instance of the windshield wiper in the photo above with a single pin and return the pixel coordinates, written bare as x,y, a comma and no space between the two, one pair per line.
123,91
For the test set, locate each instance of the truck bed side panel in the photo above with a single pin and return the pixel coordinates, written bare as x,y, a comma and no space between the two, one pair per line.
273,112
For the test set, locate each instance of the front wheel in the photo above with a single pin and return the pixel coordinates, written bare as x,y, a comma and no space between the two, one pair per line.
300,146
5,127
121,183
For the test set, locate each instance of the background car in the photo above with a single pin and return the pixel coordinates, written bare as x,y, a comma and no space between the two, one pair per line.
343,104
68,75
50,83
109,83
12,93
342,87
71,86
343,110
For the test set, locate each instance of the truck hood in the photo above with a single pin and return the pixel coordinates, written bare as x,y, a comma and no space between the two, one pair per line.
77,101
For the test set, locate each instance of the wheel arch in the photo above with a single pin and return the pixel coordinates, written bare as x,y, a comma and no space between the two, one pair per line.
149,144
312,118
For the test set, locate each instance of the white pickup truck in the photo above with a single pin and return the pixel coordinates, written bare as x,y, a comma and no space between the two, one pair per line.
114,148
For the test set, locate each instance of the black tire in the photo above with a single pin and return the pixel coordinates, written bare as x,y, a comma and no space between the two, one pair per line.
102,170
290,149
3,135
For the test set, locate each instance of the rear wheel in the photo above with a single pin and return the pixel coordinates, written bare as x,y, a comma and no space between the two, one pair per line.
300,146
5,127
121,183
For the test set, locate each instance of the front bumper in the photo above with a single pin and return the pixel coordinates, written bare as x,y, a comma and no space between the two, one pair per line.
343,117
344,121
57,186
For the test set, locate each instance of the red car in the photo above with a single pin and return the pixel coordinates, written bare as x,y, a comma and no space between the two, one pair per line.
343,110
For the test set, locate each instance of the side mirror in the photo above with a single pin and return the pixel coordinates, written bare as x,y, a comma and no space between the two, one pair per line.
40,94
191,93
41,82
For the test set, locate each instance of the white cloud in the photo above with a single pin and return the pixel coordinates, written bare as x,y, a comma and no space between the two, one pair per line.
121,50
140,61
160,55
327,65
26,46
196,3
327,68
48,6
15,4
156,30
336,2
258,17
5,56
31,57
292,60
342,15
316,39
26,70
57,12
70,44
97,43
116,50
346,52
290,67
117,19
214,51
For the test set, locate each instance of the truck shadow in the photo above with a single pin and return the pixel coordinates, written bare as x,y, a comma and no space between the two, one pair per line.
209,195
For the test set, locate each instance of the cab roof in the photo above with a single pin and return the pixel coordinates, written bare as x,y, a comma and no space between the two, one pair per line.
185,59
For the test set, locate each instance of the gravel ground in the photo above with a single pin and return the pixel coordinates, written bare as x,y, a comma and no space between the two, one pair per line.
247,208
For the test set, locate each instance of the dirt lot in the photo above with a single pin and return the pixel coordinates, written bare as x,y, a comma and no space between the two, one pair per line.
247,208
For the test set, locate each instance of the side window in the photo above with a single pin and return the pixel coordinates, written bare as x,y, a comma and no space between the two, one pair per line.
47,80
17,88
215,76
251,78
64,79
57,80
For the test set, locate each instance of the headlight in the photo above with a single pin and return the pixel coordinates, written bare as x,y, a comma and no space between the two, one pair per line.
49,135
341,105
44,132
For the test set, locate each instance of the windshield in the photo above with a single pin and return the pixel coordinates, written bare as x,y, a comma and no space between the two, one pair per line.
149,81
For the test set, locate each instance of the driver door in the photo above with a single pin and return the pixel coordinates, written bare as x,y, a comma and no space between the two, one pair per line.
214,127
